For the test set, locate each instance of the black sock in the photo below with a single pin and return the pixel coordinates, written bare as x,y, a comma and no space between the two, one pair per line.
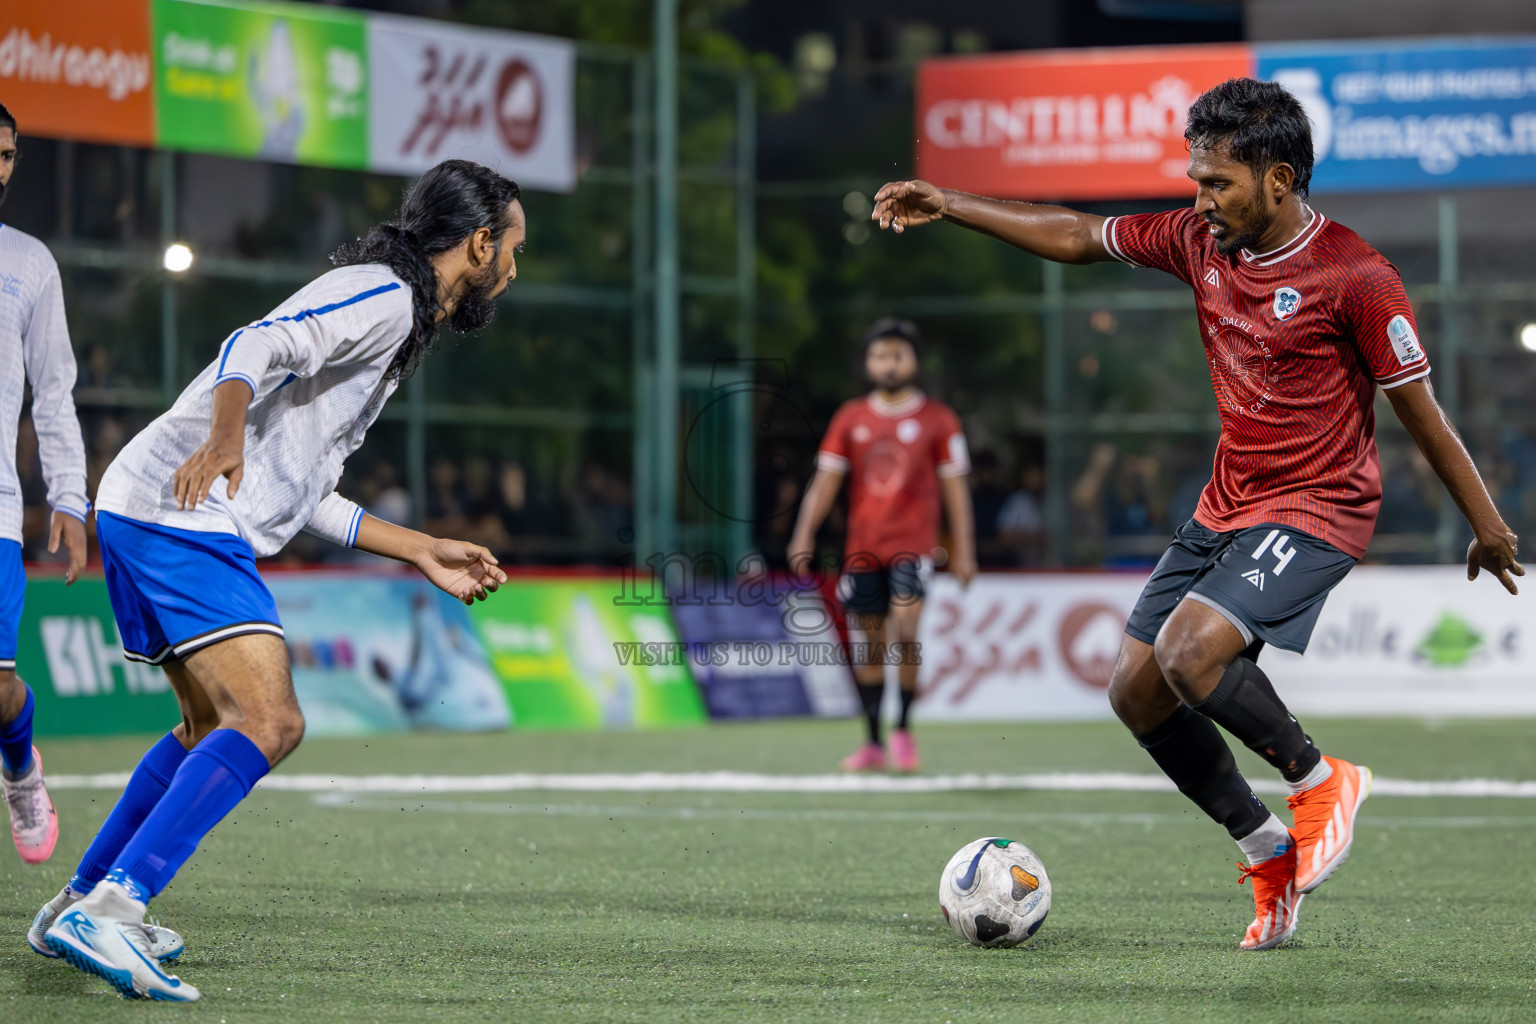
870,695
1245,704
907,697
1190,751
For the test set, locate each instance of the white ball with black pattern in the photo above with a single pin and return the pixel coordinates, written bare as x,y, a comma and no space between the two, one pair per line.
995,892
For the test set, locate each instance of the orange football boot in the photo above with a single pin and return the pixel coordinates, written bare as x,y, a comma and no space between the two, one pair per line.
1325,822
1276,902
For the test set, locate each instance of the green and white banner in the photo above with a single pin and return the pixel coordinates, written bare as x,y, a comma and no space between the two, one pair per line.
68,651
571,656
269,81
310,84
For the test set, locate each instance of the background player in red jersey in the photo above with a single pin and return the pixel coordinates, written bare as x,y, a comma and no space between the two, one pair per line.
903,451
1301,321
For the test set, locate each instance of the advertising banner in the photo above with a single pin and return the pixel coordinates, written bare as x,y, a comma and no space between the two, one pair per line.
1081,124
502,99
79,69
1390,641
578,652
1029,647
1414,641
763,649
382,653
280,82
1414,115
67,649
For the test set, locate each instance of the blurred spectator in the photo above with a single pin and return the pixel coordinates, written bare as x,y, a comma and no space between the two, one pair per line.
482,505
391,501
96,370
601,508
445,507
987,497
1021,520
1410,492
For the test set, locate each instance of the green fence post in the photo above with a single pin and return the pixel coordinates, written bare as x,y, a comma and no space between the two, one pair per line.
169,341
1448,364
665,398
746,312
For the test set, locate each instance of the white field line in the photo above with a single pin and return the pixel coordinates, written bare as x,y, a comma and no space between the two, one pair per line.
926,816
748,782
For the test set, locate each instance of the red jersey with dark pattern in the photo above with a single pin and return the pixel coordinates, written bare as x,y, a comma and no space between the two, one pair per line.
1297,340
894,456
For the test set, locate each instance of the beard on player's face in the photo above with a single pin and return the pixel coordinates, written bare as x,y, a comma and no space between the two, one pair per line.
476,308
1244,224
893,376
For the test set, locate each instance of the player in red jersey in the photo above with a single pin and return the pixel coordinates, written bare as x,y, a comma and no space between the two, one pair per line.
904,452
1302,322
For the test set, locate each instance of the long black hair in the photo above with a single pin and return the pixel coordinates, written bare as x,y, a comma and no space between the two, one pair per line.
1261,123
446,205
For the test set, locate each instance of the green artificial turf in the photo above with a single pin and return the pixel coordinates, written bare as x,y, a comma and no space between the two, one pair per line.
577,907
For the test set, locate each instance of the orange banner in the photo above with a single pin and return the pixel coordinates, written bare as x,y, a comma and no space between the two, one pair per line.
1082,124
79,69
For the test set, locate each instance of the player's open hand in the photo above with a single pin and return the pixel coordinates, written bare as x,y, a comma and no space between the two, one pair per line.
71,531
467,571
1496,553
214,458
907,204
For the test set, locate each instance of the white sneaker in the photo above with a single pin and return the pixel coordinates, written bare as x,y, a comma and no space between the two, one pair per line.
34,825
164,944
105,935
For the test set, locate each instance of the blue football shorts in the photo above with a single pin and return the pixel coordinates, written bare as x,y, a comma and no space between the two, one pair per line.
177,591
13,590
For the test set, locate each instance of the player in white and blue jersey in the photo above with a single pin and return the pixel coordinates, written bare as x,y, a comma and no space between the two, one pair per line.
248,456
34,348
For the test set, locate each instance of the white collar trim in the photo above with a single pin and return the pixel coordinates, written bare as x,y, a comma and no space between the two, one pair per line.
1291,248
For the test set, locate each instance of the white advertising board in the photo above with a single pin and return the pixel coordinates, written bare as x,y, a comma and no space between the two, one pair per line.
503,99
1418,641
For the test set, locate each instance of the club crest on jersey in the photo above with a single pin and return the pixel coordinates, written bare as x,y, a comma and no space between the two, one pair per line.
907,431
1286,302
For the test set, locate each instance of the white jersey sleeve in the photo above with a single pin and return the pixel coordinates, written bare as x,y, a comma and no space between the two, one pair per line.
336,519
50,367
318,370
348,330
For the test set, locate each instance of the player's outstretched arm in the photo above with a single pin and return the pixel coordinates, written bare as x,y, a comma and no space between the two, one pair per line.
813,512
466,571
1050,232
1494,544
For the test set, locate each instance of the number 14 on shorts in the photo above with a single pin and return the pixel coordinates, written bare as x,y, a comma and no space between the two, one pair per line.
1277,544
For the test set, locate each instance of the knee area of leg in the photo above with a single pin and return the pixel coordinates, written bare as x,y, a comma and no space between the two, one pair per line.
1177,656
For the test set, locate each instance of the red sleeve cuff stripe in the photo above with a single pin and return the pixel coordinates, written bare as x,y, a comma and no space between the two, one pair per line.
1412,373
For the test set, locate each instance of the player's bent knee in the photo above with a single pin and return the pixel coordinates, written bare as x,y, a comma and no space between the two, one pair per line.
1180,657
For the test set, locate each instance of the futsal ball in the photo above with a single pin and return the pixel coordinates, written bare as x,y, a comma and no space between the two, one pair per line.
995,892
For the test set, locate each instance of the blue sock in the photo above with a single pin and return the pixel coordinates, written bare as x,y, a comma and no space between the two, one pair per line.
16,739
146,786
216,776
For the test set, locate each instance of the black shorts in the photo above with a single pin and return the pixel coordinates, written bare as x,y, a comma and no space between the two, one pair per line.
1269,581
873,592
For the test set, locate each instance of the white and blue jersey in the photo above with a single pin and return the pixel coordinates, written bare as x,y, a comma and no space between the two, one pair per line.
34,349
317,367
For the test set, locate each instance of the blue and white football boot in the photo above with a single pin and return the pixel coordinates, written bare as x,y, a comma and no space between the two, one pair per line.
105,935
164,944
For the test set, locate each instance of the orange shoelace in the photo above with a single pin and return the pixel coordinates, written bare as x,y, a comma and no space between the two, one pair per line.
1311,815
